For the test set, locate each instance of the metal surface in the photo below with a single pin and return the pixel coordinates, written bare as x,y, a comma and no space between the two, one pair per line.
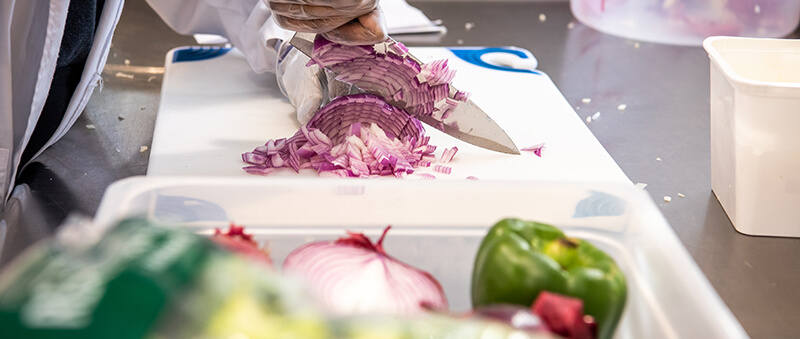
661,138
472,124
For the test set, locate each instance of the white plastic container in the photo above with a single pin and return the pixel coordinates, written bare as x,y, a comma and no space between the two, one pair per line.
688,22
755,142
438,225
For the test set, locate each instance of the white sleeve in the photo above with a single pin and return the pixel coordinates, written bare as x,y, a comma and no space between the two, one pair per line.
248,24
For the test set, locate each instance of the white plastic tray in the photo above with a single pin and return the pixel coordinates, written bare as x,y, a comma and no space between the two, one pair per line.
438,225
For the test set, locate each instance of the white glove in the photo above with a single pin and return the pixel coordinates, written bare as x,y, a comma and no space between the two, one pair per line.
300,84
307,88
348,22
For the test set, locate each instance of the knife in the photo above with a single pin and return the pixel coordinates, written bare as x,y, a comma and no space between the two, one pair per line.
473,125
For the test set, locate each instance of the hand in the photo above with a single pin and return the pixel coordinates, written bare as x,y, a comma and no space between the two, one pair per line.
307,88
348,22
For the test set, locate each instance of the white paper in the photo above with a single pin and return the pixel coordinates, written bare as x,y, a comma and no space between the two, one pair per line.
208,39
401,18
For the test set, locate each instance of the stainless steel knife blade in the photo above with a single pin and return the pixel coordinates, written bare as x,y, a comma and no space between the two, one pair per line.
467,122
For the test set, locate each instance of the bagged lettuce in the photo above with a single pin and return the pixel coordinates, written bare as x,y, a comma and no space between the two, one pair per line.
139,280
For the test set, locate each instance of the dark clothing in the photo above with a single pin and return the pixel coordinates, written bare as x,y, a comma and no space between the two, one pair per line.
24,212
82,19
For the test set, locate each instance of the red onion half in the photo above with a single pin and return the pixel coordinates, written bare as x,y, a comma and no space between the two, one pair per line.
386,70
354,276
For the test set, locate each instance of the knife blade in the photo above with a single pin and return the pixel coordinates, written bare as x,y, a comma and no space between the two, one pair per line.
467,122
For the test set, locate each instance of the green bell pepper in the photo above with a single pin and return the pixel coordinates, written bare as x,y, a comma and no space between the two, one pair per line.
518,259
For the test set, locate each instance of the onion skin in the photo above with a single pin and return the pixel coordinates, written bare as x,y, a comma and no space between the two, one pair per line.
236,240
352,275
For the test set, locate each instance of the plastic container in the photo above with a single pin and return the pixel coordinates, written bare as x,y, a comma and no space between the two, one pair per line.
688,22
755,146
438,225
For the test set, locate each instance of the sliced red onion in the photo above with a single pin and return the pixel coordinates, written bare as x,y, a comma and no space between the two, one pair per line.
386,70
442,169
536,149
472,177
426,176
352,275
399,49
448,154
258,170
461,96
254,157
236,240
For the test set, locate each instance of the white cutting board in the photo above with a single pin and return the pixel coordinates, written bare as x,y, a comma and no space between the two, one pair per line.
214,108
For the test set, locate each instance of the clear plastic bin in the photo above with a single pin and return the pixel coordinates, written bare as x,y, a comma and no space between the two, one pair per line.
688,22
438,225
755,146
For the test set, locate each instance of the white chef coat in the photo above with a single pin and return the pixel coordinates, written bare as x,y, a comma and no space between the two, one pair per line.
30,38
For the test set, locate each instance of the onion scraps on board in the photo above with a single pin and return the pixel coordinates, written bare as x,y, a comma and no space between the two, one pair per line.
353,275
536,149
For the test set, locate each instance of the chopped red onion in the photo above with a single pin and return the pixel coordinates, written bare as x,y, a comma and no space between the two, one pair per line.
448,154
472,178
461,96
352,275
258,170
442,169
358,135
426,176
536,149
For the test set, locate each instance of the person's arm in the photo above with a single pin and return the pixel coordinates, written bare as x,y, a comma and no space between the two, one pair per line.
256,30
248,24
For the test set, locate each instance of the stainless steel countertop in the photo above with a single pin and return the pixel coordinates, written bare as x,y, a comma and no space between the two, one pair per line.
661,139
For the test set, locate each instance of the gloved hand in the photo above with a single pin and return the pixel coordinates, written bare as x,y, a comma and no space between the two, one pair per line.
307,88
348,22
